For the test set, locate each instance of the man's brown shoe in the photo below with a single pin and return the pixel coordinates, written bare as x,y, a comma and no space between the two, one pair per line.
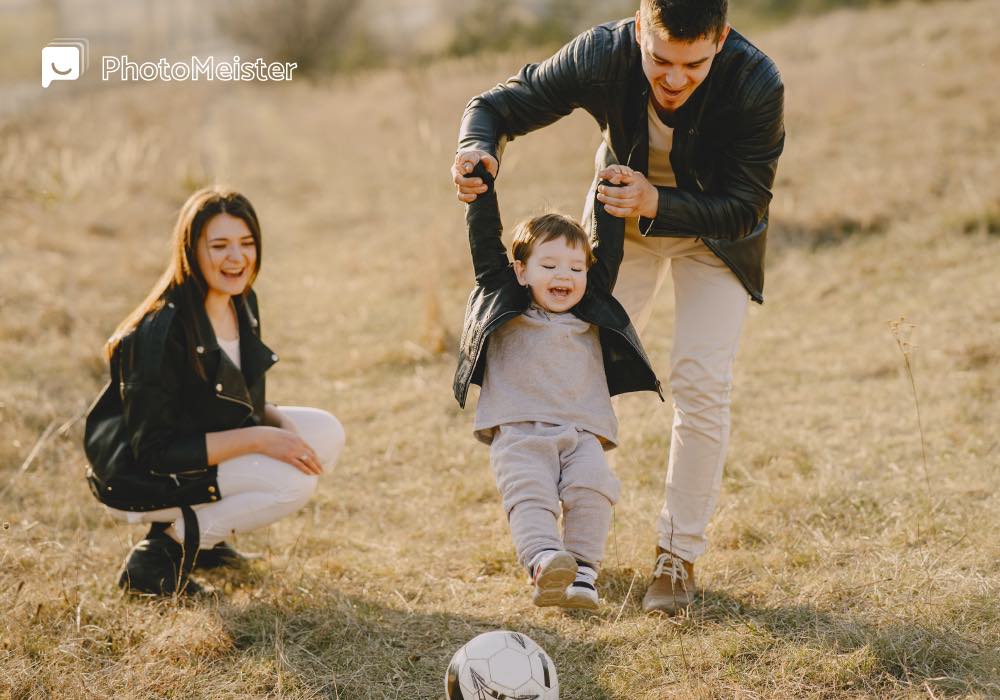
673,584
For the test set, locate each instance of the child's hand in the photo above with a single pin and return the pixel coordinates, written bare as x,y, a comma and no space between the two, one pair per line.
615,173
471,187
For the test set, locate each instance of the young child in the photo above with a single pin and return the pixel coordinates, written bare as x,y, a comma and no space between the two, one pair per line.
559,346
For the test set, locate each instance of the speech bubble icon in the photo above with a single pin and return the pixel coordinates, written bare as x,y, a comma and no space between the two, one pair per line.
60,63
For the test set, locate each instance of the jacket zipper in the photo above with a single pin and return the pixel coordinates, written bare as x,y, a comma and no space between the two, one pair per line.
242,403
173,475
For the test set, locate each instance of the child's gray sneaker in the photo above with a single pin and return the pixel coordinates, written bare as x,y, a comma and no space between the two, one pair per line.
582,593
552,572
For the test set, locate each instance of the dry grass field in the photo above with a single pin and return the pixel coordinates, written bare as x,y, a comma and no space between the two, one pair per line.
842,564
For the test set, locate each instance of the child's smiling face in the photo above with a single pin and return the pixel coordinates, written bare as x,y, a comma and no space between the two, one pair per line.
556,273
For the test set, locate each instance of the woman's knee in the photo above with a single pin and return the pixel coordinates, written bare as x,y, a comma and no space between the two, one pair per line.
329,440
321,430
298,487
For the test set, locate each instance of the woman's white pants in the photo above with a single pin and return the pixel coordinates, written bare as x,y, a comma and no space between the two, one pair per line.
257,490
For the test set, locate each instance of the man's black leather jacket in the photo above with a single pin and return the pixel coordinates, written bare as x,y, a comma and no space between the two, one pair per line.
145,434
727,136
498,298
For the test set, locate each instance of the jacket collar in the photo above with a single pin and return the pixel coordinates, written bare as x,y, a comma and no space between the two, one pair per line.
255,357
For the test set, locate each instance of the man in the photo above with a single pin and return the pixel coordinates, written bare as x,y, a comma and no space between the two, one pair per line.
692,119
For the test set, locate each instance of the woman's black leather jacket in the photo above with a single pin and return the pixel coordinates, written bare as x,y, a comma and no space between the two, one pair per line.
145,434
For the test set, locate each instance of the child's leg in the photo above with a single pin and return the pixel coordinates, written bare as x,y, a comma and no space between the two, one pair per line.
525,461
588,490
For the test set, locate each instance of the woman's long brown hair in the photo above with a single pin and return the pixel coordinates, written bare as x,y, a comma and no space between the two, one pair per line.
183,275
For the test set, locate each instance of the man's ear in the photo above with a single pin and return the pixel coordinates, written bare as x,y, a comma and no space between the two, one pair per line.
722,37
519,270
638,27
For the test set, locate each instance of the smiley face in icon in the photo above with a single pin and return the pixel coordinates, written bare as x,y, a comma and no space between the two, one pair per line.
60,63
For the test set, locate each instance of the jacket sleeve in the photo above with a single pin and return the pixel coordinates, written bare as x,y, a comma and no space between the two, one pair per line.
745,176
538,95
482,216
607,236
152,408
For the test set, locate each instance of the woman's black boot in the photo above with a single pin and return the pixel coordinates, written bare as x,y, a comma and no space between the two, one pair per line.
153,566
220,555
160,566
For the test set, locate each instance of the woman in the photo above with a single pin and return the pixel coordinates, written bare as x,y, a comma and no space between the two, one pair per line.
181,437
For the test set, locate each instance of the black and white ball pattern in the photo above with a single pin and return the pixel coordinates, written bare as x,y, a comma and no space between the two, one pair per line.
501,665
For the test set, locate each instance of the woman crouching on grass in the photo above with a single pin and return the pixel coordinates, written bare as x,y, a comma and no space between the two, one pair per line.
181,437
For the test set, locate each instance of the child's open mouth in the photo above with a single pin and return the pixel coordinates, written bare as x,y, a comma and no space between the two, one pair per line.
560,292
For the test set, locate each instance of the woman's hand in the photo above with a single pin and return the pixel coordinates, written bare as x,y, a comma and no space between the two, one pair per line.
636,197
289,447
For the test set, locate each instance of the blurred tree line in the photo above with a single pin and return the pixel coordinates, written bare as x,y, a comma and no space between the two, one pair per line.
325,36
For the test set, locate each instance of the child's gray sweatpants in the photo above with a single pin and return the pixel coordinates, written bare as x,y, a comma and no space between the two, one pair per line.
536,466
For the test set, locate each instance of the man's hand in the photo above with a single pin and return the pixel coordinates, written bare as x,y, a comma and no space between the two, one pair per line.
471,187
636,197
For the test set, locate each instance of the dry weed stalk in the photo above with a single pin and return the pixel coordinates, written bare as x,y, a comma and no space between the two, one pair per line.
902,332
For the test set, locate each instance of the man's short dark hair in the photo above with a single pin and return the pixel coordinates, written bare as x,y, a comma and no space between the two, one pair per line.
686,20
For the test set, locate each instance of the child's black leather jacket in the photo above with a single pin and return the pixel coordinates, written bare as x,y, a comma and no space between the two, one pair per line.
497,298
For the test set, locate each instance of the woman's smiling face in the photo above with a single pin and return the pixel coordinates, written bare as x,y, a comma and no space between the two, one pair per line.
227,254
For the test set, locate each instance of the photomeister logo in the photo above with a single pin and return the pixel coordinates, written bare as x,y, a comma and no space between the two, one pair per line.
195,68
64,59
67,59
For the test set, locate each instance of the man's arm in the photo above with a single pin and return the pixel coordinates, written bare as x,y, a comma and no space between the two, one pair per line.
745,177
742,191
538,95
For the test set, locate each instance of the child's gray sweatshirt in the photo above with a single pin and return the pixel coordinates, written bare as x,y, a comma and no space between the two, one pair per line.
546,367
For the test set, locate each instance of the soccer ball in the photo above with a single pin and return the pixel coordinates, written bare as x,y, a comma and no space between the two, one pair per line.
501,665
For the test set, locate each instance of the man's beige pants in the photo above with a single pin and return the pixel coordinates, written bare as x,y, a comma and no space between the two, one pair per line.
710,306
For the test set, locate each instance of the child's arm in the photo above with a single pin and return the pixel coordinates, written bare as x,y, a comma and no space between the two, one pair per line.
489,257
609,246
